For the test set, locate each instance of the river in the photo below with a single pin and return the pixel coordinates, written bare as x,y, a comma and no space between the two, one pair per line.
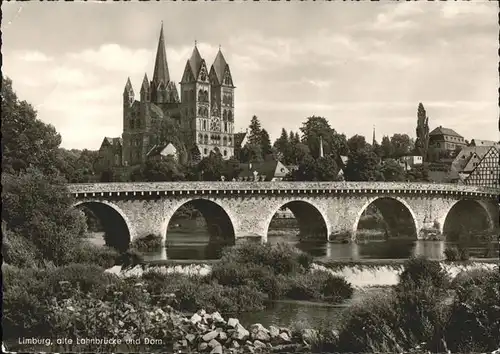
195,246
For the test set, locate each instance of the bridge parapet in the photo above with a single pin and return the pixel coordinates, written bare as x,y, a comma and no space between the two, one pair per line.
162,188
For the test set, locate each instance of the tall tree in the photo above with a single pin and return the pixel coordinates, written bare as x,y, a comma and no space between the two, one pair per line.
282,146
320,169
26,141
255,133
265,143
402,144
392,171
422,130
363,165
386,147
356,142
314,128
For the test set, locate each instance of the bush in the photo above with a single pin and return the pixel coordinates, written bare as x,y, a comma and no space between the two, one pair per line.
282,258
18,251
130,258
474,321
420,271
147,243
88,253
454,253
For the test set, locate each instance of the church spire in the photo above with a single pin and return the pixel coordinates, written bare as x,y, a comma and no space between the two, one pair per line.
321,146
373,138
161,73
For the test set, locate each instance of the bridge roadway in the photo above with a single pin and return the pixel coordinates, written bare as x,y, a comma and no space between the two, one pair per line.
237,210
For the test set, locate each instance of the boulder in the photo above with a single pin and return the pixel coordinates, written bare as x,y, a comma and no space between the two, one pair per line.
240,333
196,318
286,330
202,346
190,337
284,337
216,350
257,327
217,318
233,322
201,312
259,344
274,331
234,344
213,343
210,336
261,336
222,336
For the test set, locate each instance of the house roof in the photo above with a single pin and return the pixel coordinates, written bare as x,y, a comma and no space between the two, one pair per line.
445,131
238,138
270,169
478,142
465,155
492,153
159,148
113,141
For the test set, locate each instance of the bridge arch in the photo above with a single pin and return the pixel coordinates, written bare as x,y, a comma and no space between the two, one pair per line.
220,223
468,215
312,221
397,214
118,230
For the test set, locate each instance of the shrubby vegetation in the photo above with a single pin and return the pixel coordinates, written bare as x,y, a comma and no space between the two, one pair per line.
424,311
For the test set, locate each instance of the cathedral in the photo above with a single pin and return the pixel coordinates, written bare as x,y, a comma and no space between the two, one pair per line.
204,110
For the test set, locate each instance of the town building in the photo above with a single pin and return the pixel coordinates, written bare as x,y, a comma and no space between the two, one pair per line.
477,142
487,171
263,171
443,143
468,159
204,111
109,154
163,151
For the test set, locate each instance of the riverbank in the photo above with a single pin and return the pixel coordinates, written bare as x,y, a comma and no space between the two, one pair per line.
365,273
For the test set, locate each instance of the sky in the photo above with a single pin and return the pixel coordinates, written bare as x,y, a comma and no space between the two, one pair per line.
358,64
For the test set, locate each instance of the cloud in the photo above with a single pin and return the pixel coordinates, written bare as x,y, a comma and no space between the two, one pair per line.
34,56
464,9
114,57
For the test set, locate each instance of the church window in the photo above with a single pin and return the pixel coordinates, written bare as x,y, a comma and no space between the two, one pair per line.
203,76
224,141
200,111
229,141
200,138
204,124
225,127
224,115
117,160
205,151
225,152
206,139
230,116
200,95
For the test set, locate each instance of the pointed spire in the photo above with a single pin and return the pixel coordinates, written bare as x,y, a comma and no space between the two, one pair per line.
321,147
219,65
195,60
161,73
145,83
373,138
128,86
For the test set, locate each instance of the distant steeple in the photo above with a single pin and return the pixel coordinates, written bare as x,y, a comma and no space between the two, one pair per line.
145,89
161,73
373,138
321,146
195,60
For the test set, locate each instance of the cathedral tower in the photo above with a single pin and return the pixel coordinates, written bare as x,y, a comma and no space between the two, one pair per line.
222,100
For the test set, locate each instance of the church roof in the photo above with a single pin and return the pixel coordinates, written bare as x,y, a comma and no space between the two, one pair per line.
195,61
128,86
445,131
145,82
161,73
219,66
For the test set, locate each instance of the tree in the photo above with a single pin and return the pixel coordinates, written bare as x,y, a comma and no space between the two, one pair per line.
251,153
255,132
386,147
363,165
38,210
265,143
211,167
157,171
333,143
392,171
356,143
320,169
401,144
419,173
26,141
422,130
282,145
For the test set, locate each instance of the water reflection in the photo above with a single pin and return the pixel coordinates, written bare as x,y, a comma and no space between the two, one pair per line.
196,246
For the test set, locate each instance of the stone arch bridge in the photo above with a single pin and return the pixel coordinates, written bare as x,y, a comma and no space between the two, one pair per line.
241,210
